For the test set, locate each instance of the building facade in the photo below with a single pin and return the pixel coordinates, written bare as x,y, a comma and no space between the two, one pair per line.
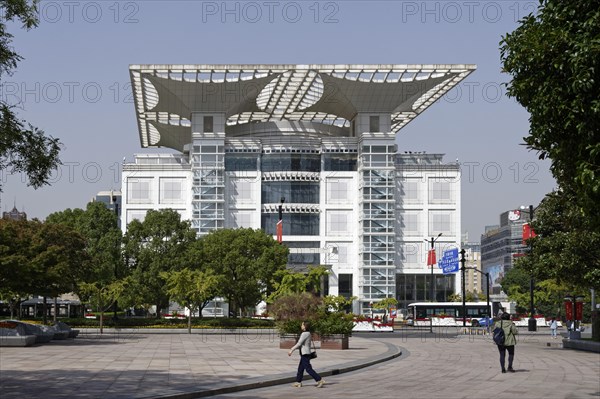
475,281
501,245
318,141
14,214
112,200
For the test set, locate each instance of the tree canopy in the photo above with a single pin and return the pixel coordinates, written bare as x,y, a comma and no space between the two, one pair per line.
553,58
567,247
554,61
247,259
23,147
161,243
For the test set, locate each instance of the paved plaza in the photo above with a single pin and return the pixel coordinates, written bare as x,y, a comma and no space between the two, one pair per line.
414,364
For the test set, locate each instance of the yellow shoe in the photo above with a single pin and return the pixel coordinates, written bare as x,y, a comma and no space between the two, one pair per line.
320,383
297,385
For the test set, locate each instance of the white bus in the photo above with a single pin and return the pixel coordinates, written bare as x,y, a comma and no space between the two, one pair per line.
450,313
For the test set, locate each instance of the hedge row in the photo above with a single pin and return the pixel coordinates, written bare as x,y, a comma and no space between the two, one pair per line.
135,322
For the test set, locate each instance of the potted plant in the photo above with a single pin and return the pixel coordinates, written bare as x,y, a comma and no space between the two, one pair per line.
334,330
290,311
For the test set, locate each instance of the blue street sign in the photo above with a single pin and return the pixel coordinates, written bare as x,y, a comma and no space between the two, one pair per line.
449,262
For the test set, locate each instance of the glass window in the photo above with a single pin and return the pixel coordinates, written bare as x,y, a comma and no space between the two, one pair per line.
208,124
337,222
139,190
345,285
293,192
240,162
172,190
136,214
373,123
340,162
242,190
307,258
409,223
408,190
337,191
440,222
281,162
439,191
302,224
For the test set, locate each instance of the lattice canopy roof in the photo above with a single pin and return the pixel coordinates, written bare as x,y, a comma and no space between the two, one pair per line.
167,95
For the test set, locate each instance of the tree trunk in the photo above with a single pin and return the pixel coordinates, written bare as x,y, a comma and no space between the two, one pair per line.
45,315
190,321
101,320
55,310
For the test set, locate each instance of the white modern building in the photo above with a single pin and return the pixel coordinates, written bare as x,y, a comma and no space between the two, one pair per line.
322,138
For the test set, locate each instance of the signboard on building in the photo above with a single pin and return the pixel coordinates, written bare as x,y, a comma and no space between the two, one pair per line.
449,262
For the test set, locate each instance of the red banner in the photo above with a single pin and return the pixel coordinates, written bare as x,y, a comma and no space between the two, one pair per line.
569,310
280,231
431,258
527,233
578,310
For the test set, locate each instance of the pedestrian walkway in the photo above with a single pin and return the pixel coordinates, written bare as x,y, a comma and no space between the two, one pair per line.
176,364
226,365
449,367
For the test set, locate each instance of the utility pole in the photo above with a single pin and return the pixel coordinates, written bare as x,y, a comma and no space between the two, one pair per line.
432,250
462,269
531,323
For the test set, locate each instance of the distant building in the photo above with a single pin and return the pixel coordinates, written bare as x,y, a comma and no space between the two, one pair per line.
14,214
501,245
474,281
112,200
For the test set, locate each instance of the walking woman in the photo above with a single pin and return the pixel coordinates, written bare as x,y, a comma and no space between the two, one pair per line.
510,330
304,345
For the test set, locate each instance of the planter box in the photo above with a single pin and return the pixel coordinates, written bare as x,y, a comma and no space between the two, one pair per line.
286,341
337,342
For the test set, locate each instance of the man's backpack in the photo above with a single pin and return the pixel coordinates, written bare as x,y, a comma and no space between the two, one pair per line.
498,335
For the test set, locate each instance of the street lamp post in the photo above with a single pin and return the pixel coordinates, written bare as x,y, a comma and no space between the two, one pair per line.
116,207
573,333
531,323
487,291
280,221
432,241
462,269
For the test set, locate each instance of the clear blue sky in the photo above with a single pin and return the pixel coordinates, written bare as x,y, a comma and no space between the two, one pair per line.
74,82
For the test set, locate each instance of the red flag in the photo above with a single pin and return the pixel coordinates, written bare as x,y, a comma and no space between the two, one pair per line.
431,258
280,231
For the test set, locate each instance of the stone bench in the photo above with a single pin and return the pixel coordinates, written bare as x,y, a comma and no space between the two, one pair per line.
17,340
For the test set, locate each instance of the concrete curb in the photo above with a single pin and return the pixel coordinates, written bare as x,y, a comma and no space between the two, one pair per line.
582,345
392,352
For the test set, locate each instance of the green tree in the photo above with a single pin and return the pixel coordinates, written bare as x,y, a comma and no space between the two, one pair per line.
287,281
553,58
103,296
247,259
161,243
385,304
567,247
338,303
15,267
98,225
22,149
192,289
58,260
